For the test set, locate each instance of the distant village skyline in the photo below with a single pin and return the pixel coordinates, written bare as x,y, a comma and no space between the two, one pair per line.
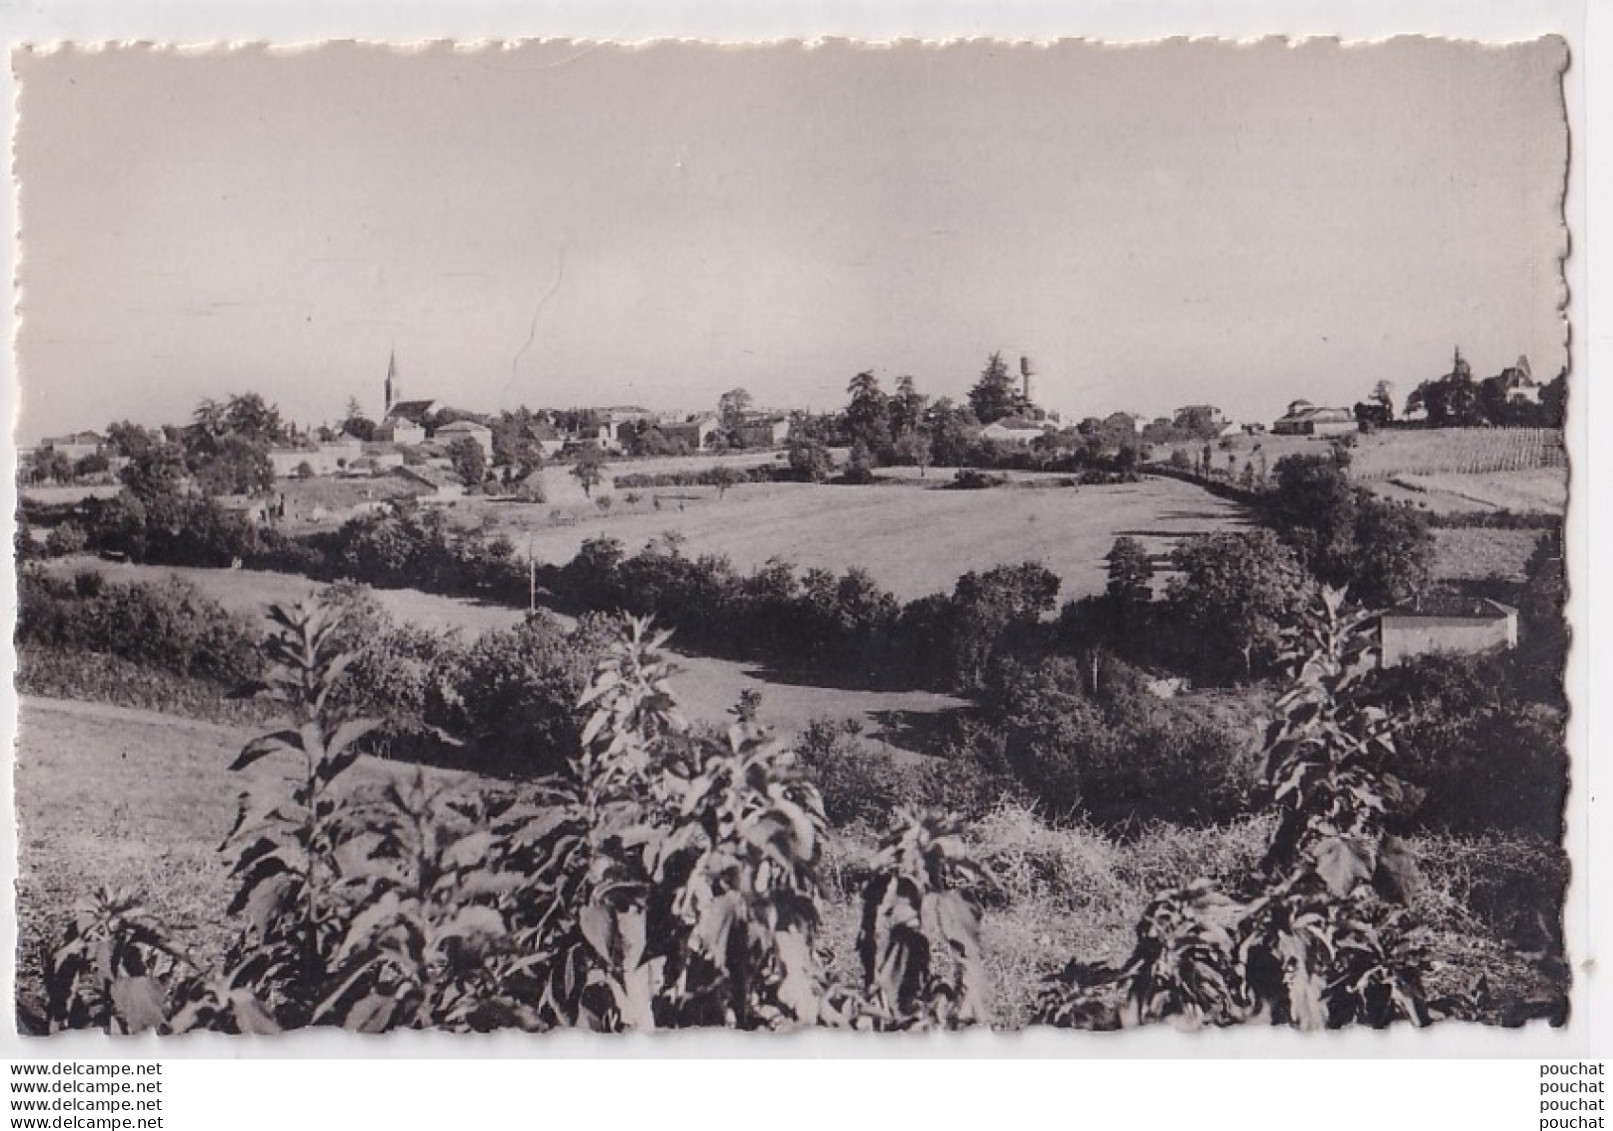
561,226
375,408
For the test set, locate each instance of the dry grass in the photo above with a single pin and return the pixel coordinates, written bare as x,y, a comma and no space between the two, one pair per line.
1489,906
1473,554
122,798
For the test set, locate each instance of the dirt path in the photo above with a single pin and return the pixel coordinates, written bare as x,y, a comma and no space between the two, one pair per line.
32,706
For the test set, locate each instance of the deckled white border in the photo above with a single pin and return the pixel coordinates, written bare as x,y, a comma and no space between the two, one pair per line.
1585,24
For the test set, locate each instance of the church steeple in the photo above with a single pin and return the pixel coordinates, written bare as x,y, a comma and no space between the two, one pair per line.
391,381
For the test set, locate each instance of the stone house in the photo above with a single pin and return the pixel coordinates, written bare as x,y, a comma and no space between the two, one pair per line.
1306,419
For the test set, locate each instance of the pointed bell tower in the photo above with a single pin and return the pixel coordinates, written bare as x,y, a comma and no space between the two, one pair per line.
391,381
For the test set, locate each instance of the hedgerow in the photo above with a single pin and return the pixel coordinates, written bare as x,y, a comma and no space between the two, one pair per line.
719,475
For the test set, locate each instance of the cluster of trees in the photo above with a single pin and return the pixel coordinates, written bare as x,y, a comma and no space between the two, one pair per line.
224,449
1456,400
905,427
168,511
1221,617
47,465
844,622
226,446
170,627
419,547
165,514
1081,737
908,428
503,703
1345,535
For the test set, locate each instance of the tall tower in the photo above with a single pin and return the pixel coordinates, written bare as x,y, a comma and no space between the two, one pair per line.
1025,375
391,381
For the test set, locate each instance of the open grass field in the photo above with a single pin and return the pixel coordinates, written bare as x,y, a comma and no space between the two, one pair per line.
305,498
912,536
1531,491
132,799
51,495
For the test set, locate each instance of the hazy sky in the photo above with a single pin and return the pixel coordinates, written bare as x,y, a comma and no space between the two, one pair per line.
559,224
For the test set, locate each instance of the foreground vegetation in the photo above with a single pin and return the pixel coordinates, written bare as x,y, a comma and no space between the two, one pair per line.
669,876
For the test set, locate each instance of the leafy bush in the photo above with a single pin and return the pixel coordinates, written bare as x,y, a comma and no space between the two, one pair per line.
510,699
67,538
397,674
1089,742
171,626
969,479
859,784
1487,756
920,939
62,673
1319,937
417,547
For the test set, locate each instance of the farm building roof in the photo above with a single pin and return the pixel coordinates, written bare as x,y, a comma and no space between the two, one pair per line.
1019,424
1451,607
1301,411
413,411
430,476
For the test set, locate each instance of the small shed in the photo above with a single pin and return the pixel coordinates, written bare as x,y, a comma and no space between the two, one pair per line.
1450,626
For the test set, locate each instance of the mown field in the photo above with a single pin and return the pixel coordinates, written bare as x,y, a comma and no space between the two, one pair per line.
1479,554
51,495
127,799
912,536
